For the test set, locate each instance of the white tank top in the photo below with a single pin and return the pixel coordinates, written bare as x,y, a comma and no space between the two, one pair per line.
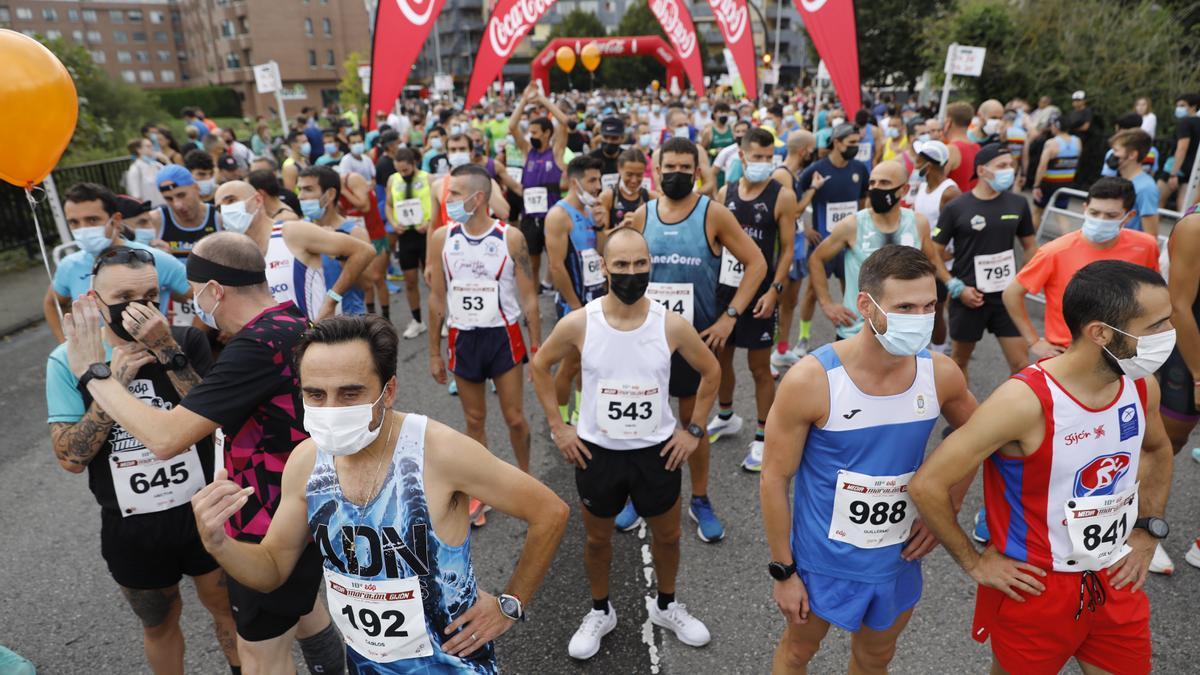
929,204
291,279
626,400
481,279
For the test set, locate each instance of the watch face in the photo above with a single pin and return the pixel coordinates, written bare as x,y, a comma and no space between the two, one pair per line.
1158,527
509,607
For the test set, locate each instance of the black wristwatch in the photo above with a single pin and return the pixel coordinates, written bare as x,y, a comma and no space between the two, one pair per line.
96,371
1156,527
510,606
777,286
695,430
779,571
731,312
177,361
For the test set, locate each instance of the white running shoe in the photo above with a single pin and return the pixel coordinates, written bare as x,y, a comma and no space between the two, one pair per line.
676,619
801,348
586,641
1161,562
413,329
1193,554
753,461
719,427
785,360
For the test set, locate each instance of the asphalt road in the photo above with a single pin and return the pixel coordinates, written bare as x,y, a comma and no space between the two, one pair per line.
63,611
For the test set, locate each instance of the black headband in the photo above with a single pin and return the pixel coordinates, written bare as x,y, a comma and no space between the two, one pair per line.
201,270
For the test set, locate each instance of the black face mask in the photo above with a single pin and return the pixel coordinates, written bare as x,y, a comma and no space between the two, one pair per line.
850,152
535,143
629,288
115,312
1112,162
612,148
882,199
678,184
722,119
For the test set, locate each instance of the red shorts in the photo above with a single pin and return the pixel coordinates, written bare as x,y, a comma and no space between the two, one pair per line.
1041,634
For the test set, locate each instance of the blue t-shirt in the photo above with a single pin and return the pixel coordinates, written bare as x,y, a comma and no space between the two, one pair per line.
73,277
201,128
823,136
1149,165
840,194
1145,201
326,160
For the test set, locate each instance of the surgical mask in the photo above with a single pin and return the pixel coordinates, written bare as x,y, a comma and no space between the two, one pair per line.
455,129
892,132
331,148
458,158
1152,352
835,121
644,140
680,132
923,138
991,126
306,149
850,152
458,211
1099,231
312,209
1180,111
907,334
882,199
629,288
209,318
1002,179
93,239
206,186
235,218
678,184
1112,162
757,172
586,198
435,143
342,430
144,236
356,148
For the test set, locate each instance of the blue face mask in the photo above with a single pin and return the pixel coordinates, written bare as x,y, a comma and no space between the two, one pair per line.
644,140
906,334
312,209
892,132
356,148
458,211
306,149
207,317
331,148
143,236
1180,111
757,172
1002,179
1099,231
93,239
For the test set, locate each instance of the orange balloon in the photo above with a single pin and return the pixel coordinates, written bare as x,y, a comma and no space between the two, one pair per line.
38,109
590,56
565,56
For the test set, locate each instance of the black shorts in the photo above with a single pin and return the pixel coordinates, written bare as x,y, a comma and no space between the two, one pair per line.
614,476
535,235
833,268
942,292
967,325
486,353
1178,395
685,380
750,332
262,616
153,550
410,249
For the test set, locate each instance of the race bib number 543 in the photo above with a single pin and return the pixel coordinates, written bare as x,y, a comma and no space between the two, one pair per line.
871,511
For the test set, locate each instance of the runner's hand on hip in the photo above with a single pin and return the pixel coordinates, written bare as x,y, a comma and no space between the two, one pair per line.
679,448
1132,569
479,625
995,570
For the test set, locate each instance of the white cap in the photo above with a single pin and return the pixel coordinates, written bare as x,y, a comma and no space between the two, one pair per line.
935,151
1078,95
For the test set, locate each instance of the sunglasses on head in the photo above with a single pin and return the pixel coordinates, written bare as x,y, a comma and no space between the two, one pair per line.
121,255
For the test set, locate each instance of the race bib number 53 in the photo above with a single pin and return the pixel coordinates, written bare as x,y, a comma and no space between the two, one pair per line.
871,511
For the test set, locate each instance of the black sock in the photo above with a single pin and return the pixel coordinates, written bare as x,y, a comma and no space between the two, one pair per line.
236,670
416,314
386,311
665,599
325,652
601,604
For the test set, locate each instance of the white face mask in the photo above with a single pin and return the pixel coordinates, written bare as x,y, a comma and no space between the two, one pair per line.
907,334
342,430
235,218
586,198
1152,352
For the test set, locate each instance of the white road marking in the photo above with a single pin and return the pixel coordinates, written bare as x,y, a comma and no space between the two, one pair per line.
648,573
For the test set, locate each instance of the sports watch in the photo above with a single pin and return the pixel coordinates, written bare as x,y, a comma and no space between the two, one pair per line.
731,312
695,430
1156,527
96,371
780,571
777,286
510,606
177,361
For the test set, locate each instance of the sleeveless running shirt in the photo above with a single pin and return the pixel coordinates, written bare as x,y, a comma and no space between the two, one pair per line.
622,206
1073,502
963,175
291,279
867,240
626,376
391,585
541,182
481,280
851,512
181,239
353,301
757,218
583,261
683,269
1060,170
929,202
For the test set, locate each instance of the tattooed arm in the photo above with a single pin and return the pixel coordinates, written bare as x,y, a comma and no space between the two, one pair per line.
149,327
76,444
527,285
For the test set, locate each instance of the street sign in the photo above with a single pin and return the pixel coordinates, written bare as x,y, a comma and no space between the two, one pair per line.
966,61
443,83
266,78
364,75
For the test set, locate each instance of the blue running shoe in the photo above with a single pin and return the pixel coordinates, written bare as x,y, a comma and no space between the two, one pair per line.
709,529
453,387
980,533
628,519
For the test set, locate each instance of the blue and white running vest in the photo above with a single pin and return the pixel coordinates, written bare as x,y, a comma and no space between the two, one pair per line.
291,279
583,260
683,269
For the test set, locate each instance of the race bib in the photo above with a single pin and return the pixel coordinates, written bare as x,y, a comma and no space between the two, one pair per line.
609,180
871,511
865,151
732,269
1099,526
590,259
994,272
628,410
515,172
474,303
384,620
835,211
145,484
409,213
536,200
675,297
182,313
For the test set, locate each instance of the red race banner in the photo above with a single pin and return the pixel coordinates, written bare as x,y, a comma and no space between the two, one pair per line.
676,21
830,24
734,19
510,21
401,27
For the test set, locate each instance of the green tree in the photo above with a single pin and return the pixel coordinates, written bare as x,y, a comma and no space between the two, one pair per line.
350,89
890,50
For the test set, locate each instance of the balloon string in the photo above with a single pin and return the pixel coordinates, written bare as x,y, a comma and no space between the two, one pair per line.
37,227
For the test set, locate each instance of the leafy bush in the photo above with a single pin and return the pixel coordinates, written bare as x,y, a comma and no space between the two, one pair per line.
213,100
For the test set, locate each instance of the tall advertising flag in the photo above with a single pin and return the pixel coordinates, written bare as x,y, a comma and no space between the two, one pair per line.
510,21
676,21
734,19
830,24
401,27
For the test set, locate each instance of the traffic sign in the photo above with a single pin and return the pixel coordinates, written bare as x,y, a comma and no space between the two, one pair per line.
266,78
964,60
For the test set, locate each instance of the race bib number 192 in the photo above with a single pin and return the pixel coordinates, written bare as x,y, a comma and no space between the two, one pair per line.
384,620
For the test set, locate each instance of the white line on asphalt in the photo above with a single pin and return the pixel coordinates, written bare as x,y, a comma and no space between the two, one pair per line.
648,572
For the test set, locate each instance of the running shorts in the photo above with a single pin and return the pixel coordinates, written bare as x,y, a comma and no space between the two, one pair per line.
640,476
410,249
535,235
851,604
967,325
486,353
153,550
262,616
1178,393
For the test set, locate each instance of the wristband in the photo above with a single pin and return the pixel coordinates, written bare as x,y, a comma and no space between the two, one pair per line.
955,286
334,295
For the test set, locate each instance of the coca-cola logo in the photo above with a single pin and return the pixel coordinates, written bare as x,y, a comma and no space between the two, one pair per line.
665,55
610,47
418,15
732,17
667,12
505,32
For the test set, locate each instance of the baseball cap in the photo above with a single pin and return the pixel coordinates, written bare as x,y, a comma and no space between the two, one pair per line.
130,207
1078,95
227,163
843,130
989,152
173,176
934,151
612,126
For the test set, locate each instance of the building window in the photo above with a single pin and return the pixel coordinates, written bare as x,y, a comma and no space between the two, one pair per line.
181,55
134,16
327,26
142,56
232,61
129,76
53,35
77,35
5,16
227,28
329,60
93,36
29,32
89,16
146,75
120,37
139,36
97,56
26,14
178,38
116,16
160,36
166,75
124,57
308,28
157,17
312,58
49,14
72,15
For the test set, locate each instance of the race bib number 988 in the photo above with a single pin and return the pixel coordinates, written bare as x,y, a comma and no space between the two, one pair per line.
871,511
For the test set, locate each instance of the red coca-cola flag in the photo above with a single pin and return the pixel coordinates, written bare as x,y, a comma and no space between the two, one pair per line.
734,19
510,21
830,24
676,21
401,27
